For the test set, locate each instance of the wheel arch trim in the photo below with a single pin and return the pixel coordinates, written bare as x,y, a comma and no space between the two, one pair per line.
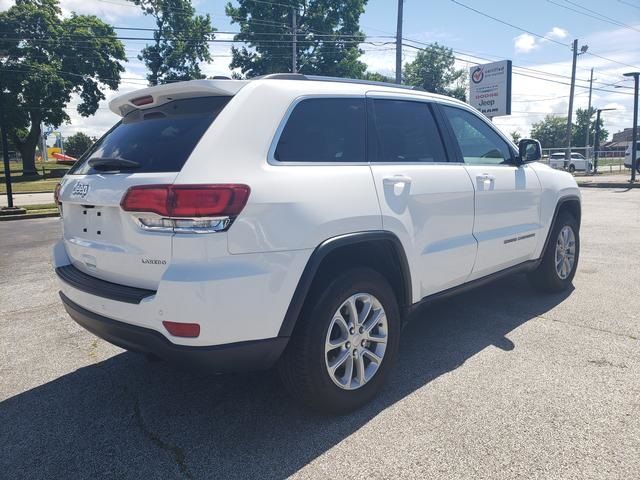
561,201
330,245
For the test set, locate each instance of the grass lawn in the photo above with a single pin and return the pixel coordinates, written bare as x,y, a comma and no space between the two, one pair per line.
35,184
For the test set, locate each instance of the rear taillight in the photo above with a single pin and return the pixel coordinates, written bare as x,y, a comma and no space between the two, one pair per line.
186,208
56,198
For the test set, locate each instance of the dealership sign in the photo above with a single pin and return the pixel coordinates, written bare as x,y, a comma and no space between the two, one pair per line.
490,88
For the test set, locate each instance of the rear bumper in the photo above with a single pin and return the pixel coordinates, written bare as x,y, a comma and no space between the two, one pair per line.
232,357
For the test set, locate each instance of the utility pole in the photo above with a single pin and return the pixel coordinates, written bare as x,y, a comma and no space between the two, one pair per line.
586,143
634,136
294,43
7,167
5,155
596,141
567,153
399,44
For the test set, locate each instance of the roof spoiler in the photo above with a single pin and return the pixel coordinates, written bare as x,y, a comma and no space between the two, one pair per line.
161,94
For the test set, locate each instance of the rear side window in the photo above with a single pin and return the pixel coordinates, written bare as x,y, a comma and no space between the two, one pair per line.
324,130
156,139
407,132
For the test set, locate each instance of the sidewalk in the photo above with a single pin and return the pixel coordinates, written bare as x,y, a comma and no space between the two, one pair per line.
608,181
22,199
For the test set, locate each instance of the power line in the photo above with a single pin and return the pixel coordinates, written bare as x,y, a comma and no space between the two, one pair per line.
611,20
525,74
553,40
629,4
597,17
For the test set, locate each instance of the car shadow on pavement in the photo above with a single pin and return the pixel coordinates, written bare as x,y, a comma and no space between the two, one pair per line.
127,418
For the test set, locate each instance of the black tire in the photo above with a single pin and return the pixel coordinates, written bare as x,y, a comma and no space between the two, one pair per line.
545,278
302,367
572,168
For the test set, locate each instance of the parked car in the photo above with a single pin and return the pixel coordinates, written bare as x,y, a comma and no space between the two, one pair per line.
577,163
627,156
298,221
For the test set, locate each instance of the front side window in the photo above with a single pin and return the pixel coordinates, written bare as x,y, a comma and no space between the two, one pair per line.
479,143
324,130
406,132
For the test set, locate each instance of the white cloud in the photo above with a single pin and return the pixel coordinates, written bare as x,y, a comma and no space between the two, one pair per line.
557,33
525,43
108,11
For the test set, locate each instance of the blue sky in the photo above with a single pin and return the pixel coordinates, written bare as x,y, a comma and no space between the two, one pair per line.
611,28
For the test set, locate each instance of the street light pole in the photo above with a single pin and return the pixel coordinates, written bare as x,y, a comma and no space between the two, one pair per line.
634,136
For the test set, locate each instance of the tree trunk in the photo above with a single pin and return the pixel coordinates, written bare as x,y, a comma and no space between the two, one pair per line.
27,148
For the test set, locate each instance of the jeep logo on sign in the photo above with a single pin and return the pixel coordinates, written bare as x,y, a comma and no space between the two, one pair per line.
80,190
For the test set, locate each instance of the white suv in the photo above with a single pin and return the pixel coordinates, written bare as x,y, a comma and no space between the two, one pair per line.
627,156
297,221
577,163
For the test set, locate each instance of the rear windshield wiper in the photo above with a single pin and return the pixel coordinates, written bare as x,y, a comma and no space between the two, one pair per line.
106,164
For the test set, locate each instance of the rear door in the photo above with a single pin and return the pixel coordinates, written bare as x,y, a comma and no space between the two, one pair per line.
507,196
147,147
425,200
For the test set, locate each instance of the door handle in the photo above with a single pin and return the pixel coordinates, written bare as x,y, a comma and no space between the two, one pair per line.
485,177
397,179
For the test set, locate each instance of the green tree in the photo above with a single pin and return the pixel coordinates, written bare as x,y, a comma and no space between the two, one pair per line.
377,77
46,59
328,33
180,42
586,119
515,136
550,132
78,143
434,70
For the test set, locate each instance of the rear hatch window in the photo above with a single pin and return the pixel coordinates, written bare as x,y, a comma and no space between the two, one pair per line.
152,140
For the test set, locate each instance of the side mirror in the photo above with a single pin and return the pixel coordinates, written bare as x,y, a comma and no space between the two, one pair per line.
529,150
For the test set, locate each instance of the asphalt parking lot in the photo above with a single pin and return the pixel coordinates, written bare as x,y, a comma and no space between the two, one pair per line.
500,382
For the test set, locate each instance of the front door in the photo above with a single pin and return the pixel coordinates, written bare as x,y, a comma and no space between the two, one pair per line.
507,195
425,200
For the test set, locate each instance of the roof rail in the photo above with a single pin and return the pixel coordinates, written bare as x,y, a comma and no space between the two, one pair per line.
282,76
320,78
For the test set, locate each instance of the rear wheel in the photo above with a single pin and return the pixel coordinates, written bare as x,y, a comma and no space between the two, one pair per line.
344,344
560,259
572,168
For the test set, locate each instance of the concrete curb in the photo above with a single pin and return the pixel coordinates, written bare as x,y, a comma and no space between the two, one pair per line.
27,216
26,193
608,185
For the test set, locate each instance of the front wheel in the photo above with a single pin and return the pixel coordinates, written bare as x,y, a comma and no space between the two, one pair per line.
344,344
560,259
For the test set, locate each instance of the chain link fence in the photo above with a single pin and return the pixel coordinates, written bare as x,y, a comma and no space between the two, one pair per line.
609,160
